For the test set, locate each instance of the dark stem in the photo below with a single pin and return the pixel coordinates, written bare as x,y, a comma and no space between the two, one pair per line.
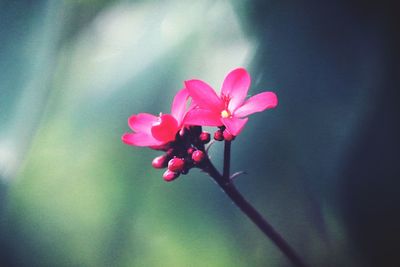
227,160
229,188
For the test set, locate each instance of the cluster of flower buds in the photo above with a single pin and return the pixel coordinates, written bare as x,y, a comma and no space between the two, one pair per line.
186,152
223,134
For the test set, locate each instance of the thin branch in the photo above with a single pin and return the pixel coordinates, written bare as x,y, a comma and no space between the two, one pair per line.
237,174
209,145
229,188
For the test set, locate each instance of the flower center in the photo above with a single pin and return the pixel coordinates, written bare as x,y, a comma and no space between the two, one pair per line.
225,114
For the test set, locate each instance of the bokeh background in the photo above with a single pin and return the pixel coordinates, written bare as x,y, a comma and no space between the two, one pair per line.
323,167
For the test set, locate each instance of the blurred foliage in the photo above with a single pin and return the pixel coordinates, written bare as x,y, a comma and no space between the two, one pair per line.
72,72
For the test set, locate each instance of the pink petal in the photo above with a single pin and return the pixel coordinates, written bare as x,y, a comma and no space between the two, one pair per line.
142,122
203,95
235,86
165,129
257,103
179,105
234,125
192,105
140,139
202,117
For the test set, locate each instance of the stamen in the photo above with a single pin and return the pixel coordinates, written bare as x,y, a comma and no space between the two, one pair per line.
225,99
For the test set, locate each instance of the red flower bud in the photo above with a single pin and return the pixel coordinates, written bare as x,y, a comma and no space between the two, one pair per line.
170,152
218,135
159,162
176,164
198,156
204,137
170,175
228,136
190,151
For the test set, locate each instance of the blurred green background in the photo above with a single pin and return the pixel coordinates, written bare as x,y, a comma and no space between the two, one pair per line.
323,166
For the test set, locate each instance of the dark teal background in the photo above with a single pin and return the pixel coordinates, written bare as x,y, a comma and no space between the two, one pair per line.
323,167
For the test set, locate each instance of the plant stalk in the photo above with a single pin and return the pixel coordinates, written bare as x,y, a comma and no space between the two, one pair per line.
229,188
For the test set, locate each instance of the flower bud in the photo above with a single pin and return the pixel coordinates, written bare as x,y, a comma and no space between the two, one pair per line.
190,151
198,156
176,164
159,162
228,136
204,137
170,175
170,152
218,135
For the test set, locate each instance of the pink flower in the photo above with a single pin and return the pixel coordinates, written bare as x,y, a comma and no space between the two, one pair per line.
230,108
153,131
